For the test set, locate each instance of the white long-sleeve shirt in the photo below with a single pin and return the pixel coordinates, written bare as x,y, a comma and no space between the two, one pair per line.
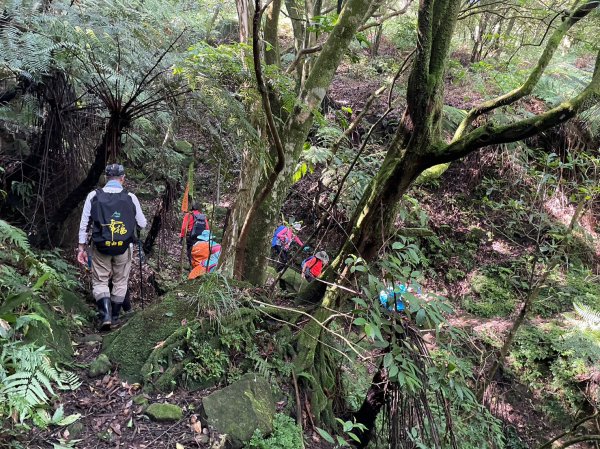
111,186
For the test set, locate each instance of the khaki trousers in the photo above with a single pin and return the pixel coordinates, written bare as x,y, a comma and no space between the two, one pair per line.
103,268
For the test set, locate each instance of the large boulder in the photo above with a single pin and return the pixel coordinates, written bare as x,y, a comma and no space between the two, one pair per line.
130,346
241,408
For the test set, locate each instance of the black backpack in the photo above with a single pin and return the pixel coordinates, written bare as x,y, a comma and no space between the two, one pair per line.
113,218
199,225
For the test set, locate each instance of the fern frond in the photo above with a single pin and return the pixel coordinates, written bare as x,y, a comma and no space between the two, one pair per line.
587,314
13,236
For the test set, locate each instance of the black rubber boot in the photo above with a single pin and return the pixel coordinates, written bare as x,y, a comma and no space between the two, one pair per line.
105,313
116,309
126,303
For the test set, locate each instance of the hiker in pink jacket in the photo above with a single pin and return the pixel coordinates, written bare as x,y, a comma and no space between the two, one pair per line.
281,242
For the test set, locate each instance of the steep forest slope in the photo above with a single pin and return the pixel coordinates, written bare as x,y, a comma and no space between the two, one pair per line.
445,155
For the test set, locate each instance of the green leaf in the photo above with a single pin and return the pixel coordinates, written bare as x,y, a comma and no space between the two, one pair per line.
348,426
421,317
325,435
360,322
354,437
388,359
69,419
398,245
341,441
41,281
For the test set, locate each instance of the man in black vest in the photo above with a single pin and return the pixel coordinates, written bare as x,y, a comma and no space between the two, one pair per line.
113,214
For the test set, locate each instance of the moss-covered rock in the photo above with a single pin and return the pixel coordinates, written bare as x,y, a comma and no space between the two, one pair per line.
99,366
164,412
241,408
292,280
130,346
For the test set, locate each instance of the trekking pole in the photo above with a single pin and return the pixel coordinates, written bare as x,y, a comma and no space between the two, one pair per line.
141,280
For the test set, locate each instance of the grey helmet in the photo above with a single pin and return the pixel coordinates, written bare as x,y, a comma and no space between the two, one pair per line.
322,256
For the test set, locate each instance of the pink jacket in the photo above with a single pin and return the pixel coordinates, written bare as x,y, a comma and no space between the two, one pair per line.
286,236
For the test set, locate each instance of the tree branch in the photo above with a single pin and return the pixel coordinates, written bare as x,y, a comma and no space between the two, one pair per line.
535,75
574,427
301,53
385,17
493,135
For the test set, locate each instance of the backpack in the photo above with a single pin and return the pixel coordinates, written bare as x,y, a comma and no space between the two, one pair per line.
199,225
314,266
275,240
113,218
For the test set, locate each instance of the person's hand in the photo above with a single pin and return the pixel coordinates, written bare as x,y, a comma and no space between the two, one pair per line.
82,256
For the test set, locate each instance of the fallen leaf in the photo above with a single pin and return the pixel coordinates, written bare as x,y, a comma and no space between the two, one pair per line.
197,427
66,434
130,423
169,395
160,344
116,427
179,446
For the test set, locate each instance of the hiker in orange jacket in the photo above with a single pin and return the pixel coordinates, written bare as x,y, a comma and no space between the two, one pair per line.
204,255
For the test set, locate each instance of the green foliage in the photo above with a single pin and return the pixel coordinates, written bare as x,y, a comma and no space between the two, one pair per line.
555,358
207,362
286,435
494,295
28,381
402,31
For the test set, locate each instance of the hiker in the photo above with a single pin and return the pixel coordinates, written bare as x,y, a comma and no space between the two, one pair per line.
281,242
194,223
113,213
313,266
205,255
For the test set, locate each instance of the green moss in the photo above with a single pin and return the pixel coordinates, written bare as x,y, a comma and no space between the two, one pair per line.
164,412
492,297
130,346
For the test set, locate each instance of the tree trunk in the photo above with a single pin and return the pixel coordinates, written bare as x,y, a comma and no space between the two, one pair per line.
376,41
110,144
171,193
272,53
245,11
